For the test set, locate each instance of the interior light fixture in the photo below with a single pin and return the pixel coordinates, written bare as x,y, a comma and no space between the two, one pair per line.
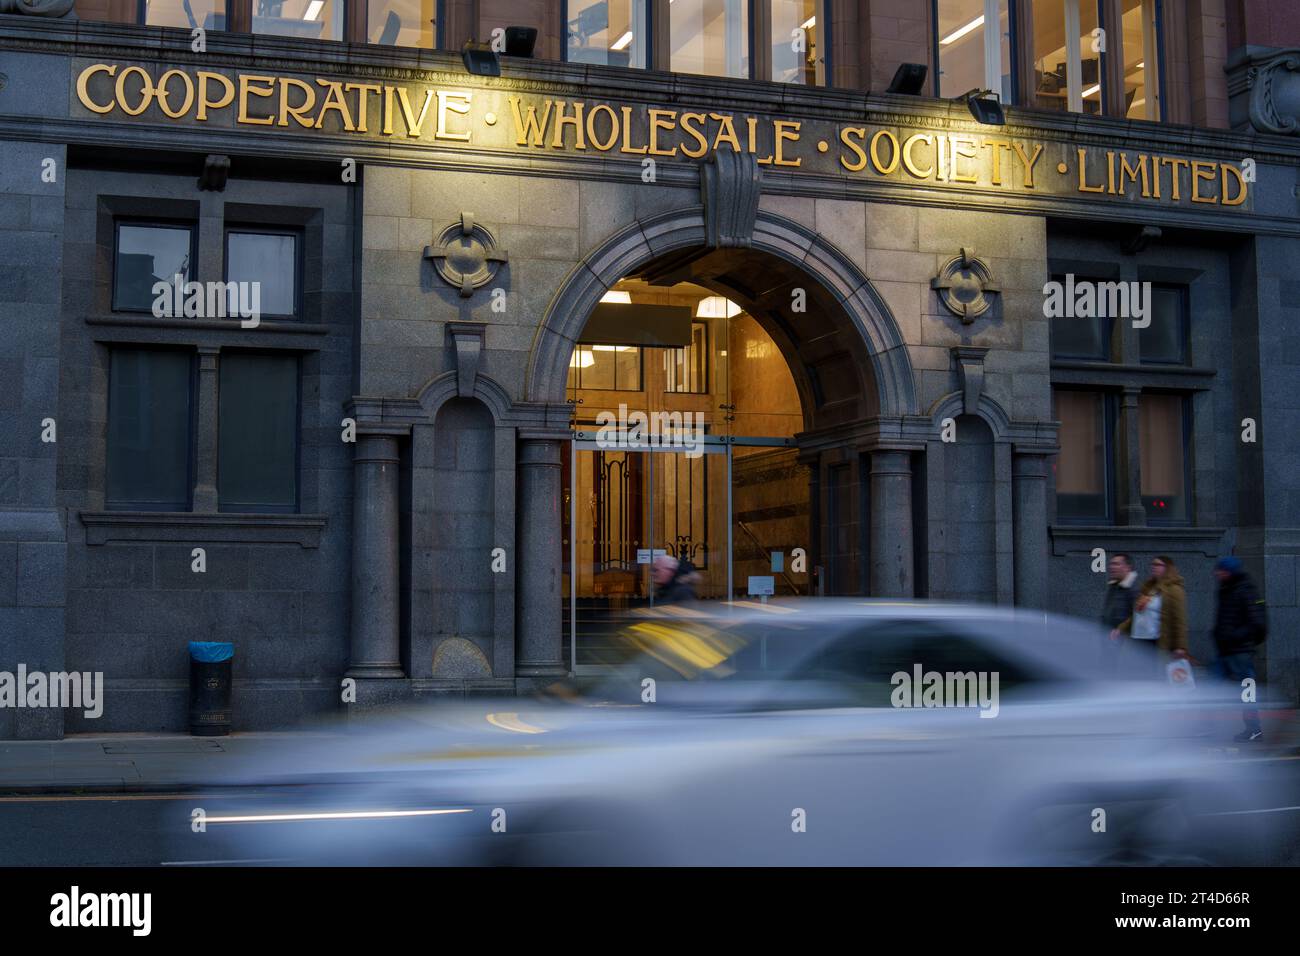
622,42
1095,88
313,9
716,307
618,296
582,359
962,31
809,23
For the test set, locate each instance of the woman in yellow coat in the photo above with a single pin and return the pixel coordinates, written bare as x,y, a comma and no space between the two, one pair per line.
1160,612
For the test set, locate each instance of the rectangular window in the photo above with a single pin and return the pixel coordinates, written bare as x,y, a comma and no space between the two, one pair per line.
403,23
269,259
149,400
1067,54
1142,47
973,56
145,254
257,446
312,19
1082,467
607,32
710,37
208,14
1164,340
1162,436
798,29
608,367
687,369
1081,337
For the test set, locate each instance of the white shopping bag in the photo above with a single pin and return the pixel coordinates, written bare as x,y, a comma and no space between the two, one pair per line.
1180,673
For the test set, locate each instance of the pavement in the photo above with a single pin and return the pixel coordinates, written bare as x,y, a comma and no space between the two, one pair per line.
161,763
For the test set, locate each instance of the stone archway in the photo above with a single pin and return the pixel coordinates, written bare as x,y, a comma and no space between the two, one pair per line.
677,240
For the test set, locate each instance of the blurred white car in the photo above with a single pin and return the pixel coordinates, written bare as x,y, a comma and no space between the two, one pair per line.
776,734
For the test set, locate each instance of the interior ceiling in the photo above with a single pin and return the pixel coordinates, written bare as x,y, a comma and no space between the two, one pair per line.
830,364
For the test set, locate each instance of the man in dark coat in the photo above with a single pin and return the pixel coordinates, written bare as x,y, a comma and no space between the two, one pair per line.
1121,591
1238,628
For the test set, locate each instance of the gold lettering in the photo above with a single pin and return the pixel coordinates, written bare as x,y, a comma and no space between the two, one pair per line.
562,120
726,131
1202,170
84,95
996,146
246,81
910,164
458,102
1174,190
334,100
146,90
851,137
413,123
362,89
691,123
1224,169
388,112
164,98
1131,172
752,123
959,143
608,144
308,101
1028,162
1110,172
626,146
787,131
1083,174
528,131
204,102
661,120
894,152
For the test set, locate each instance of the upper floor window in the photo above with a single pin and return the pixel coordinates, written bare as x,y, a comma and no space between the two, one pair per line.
798,42
270,259
1163,341
312,19
403,23
208,14
607,32
148,435
710,37
146,254
1067,49
974,41
1143,98
610,367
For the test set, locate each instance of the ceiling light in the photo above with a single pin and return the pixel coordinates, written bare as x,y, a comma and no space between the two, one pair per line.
313,9
716,307
622,42
1095,88
582,359
613,295
809,23
1140,64
962,31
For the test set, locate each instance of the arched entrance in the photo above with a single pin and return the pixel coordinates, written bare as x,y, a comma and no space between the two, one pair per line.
731,357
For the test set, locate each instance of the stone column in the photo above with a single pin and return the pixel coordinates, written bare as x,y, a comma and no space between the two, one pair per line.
376,626
1029,525
205,432
1128,457
539,637
891,524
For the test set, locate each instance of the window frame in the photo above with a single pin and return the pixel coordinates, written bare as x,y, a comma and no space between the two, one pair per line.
753,9
363,25
1013,31
1110,416
1184,329
641,350
256,229
187,506
155,222
648,27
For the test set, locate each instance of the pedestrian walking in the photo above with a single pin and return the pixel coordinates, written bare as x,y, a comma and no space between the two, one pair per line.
1240,625
1160,612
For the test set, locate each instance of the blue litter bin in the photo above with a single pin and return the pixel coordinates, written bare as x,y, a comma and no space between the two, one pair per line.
210,664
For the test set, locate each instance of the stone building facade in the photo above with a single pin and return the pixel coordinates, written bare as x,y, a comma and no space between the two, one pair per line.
396,473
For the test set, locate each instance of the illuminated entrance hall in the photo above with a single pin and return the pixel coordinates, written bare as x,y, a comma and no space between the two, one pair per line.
685,414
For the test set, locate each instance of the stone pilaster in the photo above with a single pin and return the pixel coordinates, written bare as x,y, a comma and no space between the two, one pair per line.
539,604
1029,525
891,524
205,431
1128,457
375,561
